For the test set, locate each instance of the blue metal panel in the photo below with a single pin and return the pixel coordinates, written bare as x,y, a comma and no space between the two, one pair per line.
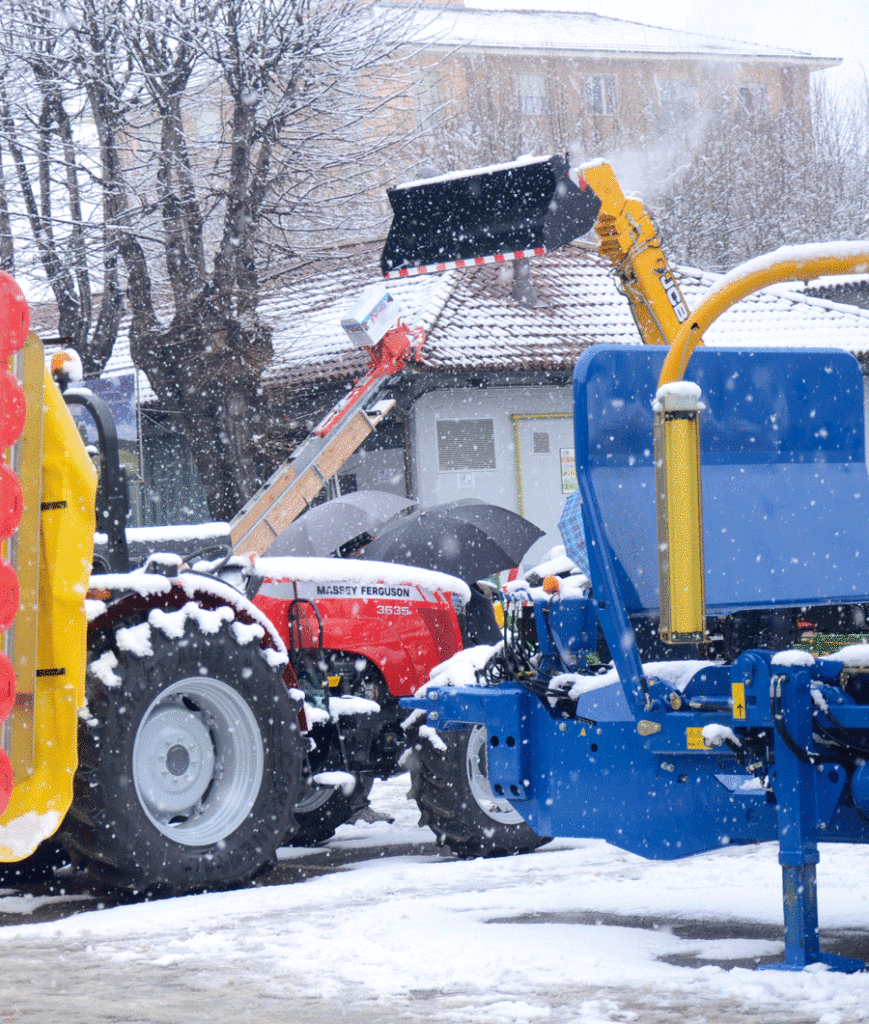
504,711
566,631
653,796
783,462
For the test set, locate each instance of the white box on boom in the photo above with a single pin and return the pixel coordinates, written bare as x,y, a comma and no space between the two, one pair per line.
373,314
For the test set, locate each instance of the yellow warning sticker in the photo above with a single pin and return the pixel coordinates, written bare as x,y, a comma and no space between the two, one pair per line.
738,693
694,738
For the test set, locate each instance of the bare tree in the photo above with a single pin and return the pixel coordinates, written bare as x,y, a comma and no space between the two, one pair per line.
190,144
757,182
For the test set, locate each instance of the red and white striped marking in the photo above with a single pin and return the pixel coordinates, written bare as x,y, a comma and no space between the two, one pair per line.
477,261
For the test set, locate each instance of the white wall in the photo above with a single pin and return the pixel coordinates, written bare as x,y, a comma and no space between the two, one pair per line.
512,411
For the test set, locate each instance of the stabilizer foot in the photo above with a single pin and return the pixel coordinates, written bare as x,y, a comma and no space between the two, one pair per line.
824,961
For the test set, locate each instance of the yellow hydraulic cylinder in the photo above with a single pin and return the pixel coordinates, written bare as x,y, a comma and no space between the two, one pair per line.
678,491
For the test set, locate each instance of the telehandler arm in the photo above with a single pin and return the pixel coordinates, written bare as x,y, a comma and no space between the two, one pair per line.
528,208
629,240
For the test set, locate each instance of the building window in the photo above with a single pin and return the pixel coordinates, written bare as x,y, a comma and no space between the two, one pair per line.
600,94
752,99
465,445
531,94
540,440
428,98
678,103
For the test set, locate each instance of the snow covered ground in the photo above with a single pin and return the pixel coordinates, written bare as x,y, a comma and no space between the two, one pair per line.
575,933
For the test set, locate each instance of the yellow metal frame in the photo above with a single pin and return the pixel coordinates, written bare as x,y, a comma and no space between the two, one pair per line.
41,798
792,263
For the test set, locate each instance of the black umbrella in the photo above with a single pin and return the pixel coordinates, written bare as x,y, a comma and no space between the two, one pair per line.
325,528
469,539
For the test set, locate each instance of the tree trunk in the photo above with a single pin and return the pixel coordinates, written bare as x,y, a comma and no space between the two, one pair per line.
205,372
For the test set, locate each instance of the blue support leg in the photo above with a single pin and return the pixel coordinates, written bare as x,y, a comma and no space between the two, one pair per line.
800,891
796,777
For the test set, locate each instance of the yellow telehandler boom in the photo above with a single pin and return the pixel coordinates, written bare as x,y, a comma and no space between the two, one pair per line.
628,238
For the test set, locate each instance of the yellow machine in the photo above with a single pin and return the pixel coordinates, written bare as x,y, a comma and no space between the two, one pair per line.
52,557
152,731
527,208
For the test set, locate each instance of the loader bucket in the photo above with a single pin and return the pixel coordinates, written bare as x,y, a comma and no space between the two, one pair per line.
486,215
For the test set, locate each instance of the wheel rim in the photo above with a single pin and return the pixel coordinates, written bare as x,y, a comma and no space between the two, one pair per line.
497,809
198,761
313,797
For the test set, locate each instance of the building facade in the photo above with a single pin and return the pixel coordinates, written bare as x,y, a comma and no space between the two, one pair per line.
490,85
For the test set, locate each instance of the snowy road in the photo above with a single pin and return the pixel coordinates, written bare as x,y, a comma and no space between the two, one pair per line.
575,933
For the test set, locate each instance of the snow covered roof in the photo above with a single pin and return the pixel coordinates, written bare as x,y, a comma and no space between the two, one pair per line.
472,323
451,25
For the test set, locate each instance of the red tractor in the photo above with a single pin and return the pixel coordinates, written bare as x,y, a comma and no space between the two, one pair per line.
361,635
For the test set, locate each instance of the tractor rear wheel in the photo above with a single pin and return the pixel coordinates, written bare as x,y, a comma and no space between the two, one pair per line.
189,761
451,788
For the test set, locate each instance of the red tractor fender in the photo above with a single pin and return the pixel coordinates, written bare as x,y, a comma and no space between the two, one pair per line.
115,598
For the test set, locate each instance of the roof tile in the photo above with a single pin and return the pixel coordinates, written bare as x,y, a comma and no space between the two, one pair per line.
473,323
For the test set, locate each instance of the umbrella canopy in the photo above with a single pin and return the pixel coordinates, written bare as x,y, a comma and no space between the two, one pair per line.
469,539
324,528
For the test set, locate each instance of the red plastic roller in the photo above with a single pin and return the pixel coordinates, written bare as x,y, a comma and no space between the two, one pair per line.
7,687
8,595
11,502
7,780
12,408
14,317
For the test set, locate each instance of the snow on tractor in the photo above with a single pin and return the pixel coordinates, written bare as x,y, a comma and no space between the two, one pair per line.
362,634
157,730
